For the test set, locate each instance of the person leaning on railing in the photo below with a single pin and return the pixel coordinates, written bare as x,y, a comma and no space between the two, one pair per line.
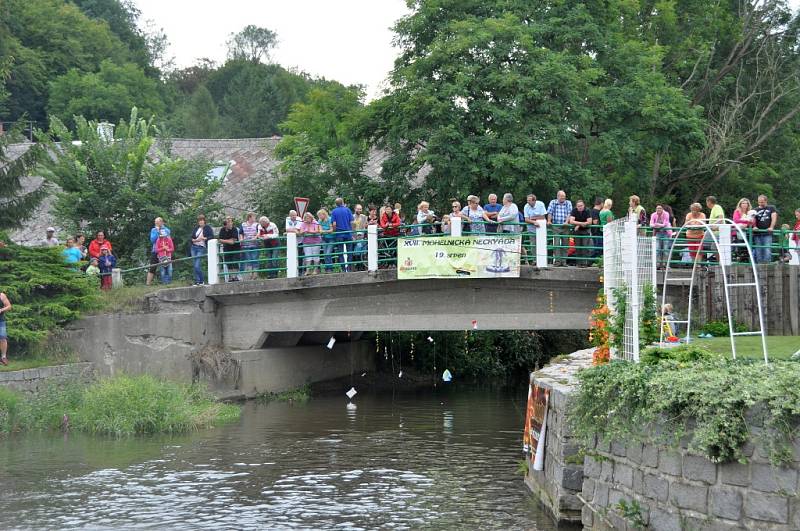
695,217
359,237
312,238
766,217
558,212
580,219
662,228
508,215
249,244
229,238
200,236
490,211
472,215
425,219
268,233
390,224
328,238
533,212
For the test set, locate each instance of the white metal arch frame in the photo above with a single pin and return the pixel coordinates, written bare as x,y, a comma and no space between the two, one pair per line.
710,229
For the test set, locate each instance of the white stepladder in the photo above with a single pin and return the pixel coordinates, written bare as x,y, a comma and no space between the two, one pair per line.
720,234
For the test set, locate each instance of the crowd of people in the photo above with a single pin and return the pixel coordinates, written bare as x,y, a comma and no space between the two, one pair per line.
337,237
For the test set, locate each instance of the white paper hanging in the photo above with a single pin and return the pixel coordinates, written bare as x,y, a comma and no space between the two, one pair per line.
351,393
430,339
331,342
446,376
400,374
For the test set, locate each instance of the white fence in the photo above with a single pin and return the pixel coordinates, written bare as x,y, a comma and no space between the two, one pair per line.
629,264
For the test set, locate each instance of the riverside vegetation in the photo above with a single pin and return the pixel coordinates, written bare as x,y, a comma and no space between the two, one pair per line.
695,395
119,406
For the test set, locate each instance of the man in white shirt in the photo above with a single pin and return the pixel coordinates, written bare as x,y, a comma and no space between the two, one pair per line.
50,240
534,211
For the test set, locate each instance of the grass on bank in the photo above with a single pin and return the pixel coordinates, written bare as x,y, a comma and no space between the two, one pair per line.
130,298
749,347
119,406
45,354
299,395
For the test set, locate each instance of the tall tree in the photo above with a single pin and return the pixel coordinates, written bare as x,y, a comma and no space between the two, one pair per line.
107,95
321,156
253,43
201,118
120,186
47,38
16,163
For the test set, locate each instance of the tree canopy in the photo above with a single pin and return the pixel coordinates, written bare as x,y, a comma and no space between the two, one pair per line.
120,186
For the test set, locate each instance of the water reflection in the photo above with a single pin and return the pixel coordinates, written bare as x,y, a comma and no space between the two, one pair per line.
416,460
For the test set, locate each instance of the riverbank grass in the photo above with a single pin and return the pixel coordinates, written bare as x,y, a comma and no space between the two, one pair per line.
44,354
299,395
119,406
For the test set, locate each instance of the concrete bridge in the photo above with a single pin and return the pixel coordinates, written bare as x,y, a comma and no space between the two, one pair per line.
275,331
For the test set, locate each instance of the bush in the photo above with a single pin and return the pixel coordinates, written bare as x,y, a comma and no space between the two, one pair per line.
45,293
720,328
118,406
709,400
682,353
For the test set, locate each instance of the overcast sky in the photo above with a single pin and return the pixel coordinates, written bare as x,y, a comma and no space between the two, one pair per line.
346,40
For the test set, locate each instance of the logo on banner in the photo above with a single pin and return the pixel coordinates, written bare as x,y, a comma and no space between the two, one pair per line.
301,205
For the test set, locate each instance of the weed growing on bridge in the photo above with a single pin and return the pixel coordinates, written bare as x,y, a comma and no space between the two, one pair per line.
713,403
118,406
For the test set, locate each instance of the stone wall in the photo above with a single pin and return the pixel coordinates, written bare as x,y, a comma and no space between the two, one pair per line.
559,484
673,488
677,489
33,380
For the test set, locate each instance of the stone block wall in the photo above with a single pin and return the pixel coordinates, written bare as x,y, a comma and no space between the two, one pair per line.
560,483
673,488
33,380
678,490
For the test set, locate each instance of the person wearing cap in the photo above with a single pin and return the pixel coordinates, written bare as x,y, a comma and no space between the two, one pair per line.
50,240
92,269
5,306
106,262
156,233
99,241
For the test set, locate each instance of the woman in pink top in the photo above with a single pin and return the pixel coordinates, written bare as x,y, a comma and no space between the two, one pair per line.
662,226
744,218
312,238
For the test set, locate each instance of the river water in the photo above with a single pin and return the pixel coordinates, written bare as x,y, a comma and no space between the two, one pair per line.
442,459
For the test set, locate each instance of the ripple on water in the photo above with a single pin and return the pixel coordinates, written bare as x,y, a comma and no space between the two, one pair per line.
425,460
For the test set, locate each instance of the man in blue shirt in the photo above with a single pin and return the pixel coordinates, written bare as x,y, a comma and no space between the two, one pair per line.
490,211
342,224
558,212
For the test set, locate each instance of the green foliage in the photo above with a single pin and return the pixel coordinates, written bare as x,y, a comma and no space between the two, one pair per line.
140,405
648,318
681,354
721,329
616,325
118,406
632,512
712,402
106,95
299,395
17,204
254,98
47,38
320,157
145,180
45,293
476,354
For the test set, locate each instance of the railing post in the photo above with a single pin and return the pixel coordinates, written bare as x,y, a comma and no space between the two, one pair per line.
725,245
372,247
455,226
541,243
291,255
116,278
213,261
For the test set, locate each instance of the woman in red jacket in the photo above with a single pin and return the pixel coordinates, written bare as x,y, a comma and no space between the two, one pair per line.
97,244
390,226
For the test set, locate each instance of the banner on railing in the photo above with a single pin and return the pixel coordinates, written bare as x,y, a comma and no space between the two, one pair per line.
477,256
